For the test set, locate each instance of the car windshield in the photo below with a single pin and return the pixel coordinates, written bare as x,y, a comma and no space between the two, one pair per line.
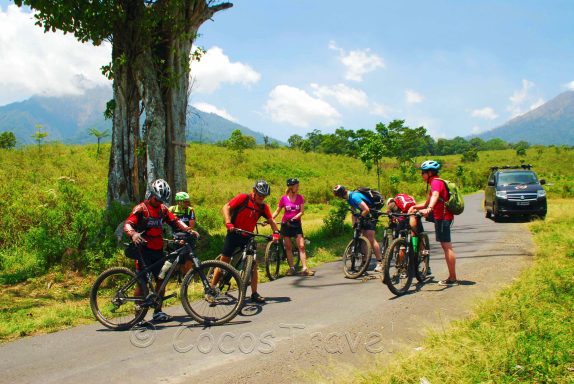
515,178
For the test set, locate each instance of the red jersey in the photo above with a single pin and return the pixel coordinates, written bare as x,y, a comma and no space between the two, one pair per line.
248,215
145,217
439,210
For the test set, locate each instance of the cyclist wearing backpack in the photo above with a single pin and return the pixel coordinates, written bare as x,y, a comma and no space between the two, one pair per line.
435,208
145,227
293,204
184,211
243,212
359,201
401,203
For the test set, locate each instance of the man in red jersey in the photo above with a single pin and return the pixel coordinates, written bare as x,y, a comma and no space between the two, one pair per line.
145,227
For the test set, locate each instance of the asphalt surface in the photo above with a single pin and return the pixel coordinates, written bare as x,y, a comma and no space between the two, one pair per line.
308,323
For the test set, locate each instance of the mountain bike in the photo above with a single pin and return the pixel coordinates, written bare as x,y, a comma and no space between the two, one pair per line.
402,261
358,253
275,255
115,305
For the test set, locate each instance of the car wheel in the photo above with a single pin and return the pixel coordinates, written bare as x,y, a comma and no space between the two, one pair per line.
488,214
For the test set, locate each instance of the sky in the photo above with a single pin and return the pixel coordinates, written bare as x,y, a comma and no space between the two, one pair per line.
284,67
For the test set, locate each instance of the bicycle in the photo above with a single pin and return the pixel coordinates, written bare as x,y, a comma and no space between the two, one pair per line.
358,253
115,305
275,255
402,262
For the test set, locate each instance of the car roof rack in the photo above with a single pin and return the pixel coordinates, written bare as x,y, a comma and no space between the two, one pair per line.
522,166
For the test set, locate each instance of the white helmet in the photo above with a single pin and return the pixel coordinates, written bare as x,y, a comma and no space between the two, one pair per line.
161,190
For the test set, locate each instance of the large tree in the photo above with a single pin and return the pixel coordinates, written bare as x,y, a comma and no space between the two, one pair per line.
150,68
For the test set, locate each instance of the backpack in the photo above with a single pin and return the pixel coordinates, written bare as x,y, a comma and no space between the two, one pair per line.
240,208
377,200
455,202
404,202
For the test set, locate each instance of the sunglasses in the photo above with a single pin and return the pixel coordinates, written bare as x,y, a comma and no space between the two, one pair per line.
260,196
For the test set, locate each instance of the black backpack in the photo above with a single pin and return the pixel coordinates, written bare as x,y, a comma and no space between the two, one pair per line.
377,200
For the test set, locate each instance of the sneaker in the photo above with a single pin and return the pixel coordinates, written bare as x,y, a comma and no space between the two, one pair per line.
307,272
291,272
379,267
161,317
448,283
257,298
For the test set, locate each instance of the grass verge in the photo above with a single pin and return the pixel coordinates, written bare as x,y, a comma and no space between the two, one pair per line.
524,334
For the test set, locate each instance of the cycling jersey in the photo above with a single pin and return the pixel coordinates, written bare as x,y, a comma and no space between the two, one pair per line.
356,198
439,210
149,219
248,213
186,214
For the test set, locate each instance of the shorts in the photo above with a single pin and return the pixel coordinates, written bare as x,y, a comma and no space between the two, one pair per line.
233,241
291,229
442,230
404,224
370,225
150,256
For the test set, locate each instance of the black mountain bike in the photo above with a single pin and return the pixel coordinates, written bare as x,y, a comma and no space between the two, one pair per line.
114,303
275,255
357,255
402,262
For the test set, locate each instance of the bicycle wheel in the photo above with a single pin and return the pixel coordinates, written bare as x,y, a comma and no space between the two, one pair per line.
212,305
423,257
387,240
357,257
397,274
112,299
273,256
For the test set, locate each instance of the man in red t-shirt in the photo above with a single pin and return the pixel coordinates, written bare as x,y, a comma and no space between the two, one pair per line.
247,209
442,216
145,227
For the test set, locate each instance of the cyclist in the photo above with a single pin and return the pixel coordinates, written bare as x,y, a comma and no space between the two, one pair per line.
145,227
243,212
360,202
184,211
293,203
435,209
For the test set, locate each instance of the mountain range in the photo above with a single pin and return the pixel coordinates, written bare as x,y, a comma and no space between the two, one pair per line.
68,119
550,123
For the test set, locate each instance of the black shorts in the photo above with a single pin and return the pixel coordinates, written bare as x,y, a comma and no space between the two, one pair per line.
404,224
442,230
233,242
291,229
150,256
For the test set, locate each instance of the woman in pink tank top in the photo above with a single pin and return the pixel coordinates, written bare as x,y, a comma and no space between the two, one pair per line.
293,204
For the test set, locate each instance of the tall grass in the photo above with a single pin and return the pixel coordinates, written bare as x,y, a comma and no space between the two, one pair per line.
523,335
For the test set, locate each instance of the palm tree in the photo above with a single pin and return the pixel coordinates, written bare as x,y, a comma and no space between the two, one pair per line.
99,135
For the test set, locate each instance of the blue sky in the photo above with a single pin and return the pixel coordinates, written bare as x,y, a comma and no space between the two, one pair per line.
288,67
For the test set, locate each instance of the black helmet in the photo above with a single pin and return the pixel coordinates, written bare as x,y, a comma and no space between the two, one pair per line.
339,190
161,190
292,181
262,188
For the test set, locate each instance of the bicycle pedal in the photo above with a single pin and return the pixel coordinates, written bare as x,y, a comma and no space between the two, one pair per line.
170,296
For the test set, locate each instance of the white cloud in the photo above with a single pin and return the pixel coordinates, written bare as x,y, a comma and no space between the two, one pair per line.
570,85
294,106
215,69
523,101
33,62
346,96
413,97
476,130
379,109
358,62
210,108
485,113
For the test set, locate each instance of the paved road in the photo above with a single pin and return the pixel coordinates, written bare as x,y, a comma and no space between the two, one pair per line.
306,324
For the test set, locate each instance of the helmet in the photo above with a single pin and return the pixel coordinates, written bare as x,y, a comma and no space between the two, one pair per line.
262,188
161,190
430,165
181,196
292,181
390,200
339,190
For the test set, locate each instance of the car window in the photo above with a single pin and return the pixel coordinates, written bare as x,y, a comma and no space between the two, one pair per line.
515,178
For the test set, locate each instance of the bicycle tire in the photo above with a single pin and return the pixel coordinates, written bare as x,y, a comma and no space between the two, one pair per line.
421,271
273,257
112,307
354,253
387,240
397,269
218,306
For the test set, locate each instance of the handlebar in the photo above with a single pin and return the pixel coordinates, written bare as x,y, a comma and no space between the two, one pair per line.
252,234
